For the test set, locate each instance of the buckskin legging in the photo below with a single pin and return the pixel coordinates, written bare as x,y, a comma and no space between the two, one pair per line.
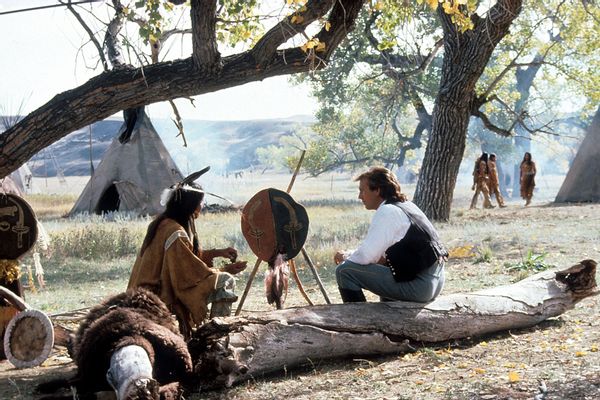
378,279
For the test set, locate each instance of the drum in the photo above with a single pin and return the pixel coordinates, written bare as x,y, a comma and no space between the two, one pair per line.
273,223
18,227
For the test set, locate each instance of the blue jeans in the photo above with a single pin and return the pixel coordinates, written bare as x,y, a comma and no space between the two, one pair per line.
378,279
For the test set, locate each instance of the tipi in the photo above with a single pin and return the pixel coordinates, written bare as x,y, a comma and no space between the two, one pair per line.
23,178
581,183
8,185
133,172
19,182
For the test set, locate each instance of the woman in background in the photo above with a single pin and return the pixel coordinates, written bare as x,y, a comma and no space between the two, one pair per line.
527,178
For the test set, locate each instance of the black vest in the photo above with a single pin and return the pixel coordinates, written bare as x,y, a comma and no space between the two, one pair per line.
418,250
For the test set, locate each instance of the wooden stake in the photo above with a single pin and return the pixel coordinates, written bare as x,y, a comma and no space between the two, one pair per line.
248,285
289,188
298,282
317,278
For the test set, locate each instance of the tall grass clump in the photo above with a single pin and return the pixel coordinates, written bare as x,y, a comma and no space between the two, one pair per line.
51,205
483,254
97,242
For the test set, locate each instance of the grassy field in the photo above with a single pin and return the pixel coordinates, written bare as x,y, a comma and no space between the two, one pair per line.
91,259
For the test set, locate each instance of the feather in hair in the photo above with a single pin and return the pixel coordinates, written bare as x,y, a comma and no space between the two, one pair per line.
193,176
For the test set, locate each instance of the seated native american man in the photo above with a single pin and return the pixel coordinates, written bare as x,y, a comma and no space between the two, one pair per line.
172,265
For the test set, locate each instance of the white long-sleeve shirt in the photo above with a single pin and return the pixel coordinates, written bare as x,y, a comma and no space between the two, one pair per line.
388,226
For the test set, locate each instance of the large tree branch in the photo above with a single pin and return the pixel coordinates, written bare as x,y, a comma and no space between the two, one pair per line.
116,90
266,48
490,126
520,119
341,161
390,61
493,28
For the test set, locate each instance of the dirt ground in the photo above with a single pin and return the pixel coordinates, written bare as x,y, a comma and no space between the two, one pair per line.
557,359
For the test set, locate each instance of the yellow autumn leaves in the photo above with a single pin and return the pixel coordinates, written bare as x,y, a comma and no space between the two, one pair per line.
313,44
447,4
459,11
9,270
465,251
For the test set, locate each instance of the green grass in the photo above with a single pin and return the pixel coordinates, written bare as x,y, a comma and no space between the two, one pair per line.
91,257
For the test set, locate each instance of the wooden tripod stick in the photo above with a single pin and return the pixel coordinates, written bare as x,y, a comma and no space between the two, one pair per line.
298,282
258,260
317,278
248,285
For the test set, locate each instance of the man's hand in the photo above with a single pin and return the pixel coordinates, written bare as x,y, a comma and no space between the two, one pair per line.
234,268
229,252
339,257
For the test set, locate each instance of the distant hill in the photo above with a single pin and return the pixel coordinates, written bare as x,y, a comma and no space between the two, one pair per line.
226,146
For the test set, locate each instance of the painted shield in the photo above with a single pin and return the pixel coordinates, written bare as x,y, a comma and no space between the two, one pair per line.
18,227
272,222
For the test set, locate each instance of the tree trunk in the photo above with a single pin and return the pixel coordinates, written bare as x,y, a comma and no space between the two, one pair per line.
230,350
465,57
128,87
204,19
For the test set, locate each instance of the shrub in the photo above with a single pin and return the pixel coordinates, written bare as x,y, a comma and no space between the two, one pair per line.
532,262
484,254
94,241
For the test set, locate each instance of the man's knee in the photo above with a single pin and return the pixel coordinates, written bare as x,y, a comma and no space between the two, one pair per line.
341,270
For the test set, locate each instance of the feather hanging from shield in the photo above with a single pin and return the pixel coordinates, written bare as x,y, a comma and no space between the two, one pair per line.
275,227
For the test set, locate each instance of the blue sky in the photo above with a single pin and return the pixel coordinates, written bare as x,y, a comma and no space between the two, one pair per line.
41,57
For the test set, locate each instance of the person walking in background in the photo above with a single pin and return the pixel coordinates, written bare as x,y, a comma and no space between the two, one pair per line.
527,178
402,257
481,182
494,181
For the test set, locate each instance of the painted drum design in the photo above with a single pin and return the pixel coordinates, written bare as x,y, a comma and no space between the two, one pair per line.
272,223
18,227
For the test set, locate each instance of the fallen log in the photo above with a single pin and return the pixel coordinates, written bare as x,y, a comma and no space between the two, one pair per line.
230,350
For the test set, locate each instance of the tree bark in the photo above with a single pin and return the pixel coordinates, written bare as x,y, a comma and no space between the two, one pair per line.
204,20
230,350
465,57
124,88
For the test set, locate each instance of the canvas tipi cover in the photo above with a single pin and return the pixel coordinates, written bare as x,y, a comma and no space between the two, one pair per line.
23,178
132,173
581,183
8,185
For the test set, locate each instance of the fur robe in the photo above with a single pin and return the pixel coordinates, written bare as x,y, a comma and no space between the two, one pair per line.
136,317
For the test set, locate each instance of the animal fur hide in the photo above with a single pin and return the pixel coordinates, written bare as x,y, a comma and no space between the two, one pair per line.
136,317
276,281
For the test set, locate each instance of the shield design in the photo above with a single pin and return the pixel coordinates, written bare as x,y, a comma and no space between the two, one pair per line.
272,222
18,227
